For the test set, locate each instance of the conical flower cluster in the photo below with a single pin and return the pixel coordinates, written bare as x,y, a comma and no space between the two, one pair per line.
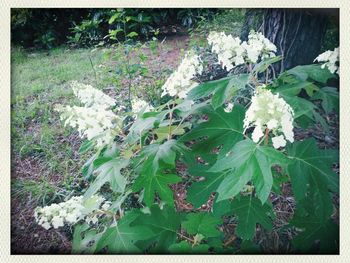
331,59
69,212
233,52
269,111
95,120
180,82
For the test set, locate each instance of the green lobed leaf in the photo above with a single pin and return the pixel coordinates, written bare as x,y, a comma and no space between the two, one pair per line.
162,132
156,183
200,190
264,64
329,97
121,238
159,156
304,111
207,88
311,163
314,72
84,239
313,230
224,93
294,88
202,223
312,176
221,130
251,211
109,172
246,162
164,223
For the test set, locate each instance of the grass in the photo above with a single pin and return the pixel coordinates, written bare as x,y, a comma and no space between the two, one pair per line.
39,81
45,163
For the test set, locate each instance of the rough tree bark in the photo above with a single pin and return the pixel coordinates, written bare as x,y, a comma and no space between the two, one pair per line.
297,33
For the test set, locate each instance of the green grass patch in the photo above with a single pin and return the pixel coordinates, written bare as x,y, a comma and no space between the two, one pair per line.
39,80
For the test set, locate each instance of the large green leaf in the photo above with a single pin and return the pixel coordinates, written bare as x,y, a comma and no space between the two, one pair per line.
264,64
159,156
329,97
156,183
207,88
247,161
143,123
202,223
154,159
251,211
200,190
121,238
140,125
109,172
314,228
311,163
304,111
84,239
221,130
222,89
164,223
312,176
314,72
224,93
294,88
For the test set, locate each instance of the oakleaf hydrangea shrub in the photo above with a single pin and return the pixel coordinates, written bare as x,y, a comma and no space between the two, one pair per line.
238,152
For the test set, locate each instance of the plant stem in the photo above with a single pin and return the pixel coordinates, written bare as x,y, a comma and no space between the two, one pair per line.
170,120
185,237
266,136
92,65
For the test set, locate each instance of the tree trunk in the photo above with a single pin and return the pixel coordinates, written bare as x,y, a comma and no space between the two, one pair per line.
297,34
252,22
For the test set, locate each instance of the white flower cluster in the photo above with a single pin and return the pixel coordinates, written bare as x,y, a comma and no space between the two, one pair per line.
70,212
180,82
233,52
91,97
139,105
272,112
229,49
331,59
94,120
91,122
258,45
